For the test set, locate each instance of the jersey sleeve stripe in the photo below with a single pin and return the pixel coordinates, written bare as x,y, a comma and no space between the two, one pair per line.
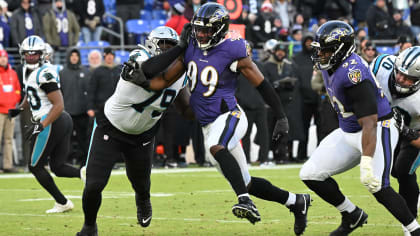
378,63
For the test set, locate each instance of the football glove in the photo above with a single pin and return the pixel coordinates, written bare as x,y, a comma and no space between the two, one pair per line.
280,132
14,112
407,133
133,73
367,177
33,130
184,39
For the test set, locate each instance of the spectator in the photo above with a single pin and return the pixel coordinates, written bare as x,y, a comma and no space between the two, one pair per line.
61,28
279,71
90,20
368,52
103,83
295,40
321,20
359,11
337,8
304,68
310,8
25,21
264,27
379,21
177,20
282,10
244,20
9,98
74,80
191,6
415,18
400,27
405,42
4,25
5,14
94,59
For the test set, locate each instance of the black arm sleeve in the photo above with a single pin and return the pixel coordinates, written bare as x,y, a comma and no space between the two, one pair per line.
159,63
363,99
270,97
49,87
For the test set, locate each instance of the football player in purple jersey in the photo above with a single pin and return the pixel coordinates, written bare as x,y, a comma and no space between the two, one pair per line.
213,64
366,133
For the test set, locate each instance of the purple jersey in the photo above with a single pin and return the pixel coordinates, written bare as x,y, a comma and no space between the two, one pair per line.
212,80
351,72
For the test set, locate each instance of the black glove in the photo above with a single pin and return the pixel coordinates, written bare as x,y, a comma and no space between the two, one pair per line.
133,73
14,112
184,38
280,129
409,134
33,130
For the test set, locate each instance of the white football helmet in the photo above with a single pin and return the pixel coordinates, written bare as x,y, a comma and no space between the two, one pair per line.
408,63
140,54
269,45
167,34
49,52
32,52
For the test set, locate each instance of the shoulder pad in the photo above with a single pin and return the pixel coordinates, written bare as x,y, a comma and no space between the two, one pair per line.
47,74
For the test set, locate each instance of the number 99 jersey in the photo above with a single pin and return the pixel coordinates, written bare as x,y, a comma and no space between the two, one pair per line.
47,78
383,68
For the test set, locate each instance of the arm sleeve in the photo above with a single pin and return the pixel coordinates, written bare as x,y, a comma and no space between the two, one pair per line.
271,98
363,99
159,63
49,87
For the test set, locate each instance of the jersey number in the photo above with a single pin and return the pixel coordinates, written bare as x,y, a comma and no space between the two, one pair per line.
34,99
167,98
208,77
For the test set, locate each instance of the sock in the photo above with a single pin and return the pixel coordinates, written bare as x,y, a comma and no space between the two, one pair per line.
395,204
244,195
231,171
263,189
291,200
412,226
347,205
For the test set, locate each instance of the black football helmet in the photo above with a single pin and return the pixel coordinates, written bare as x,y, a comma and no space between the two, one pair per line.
210,25
336,37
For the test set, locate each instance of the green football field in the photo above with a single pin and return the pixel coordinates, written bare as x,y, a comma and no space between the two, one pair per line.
191,201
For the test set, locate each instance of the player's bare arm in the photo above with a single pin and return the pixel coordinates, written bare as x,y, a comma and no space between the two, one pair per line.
56,99
368,124
182,103
168,77
250,71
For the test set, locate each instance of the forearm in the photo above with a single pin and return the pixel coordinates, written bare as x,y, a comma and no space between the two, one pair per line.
159,63
368,140
53,115
271,98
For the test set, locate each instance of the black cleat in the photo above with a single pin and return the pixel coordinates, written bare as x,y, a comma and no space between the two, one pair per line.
350,222
144,211
246,209
88,231
415,232
300,210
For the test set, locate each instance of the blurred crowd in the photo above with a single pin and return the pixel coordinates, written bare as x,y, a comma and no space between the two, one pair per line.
279,32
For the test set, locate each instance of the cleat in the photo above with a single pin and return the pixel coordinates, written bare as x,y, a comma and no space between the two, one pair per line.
144,212
88,231
58,208
300,210
246,209
350,222
415,232
83,174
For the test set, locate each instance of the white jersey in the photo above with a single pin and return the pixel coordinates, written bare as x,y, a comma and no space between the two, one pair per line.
37,98
134,110
383,68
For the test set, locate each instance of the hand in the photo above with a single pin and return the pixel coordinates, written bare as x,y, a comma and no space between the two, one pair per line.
133,73
281,129
33,130
367,177
91,113
409,134
14,112
184,38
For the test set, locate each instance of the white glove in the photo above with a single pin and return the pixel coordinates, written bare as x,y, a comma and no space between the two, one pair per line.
366,175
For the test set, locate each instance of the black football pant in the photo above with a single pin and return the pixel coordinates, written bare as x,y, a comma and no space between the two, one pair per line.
259,117
104,152
80,126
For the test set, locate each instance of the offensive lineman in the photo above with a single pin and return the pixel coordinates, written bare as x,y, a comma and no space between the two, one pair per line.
50,132
399,78
127,126
361,107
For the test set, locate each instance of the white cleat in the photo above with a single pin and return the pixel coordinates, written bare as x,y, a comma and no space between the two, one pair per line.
405,230
58,208
83,174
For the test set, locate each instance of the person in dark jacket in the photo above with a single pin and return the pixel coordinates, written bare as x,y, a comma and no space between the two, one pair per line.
279,71
25,21
74,80
103,83
379,21
303,68
90,12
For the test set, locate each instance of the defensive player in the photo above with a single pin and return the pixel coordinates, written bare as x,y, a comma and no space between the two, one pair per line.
51,127
213,64
127,126
399,78
366,132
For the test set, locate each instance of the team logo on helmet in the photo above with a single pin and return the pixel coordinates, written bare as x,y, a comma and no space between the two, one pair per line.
355,76
336,35
218,15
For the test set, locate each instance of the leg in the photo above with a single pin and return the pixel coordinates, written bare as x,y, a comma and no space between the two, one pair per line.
139,166
8,144
246,142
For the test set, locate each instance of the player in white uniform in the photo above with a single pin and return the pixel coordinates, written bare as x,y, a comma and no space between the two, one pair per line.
51,128
127,126
399,78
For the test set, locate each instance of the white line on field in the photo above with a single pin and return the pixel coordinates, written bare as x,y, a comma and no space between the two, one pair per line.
167,171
